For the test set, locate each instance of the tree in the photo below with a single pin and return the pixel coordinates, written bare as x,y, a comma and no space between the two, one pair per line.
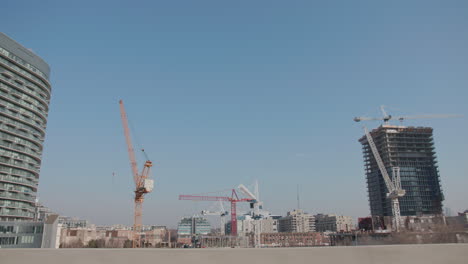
73,244
96,243
128,243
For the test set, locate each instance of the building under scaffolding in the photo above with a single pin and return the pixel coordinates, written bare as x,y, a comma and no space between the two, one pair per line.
412,150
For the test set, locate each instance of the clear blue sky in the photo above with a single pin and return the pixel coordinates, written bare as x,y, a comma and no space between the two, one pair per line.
225,92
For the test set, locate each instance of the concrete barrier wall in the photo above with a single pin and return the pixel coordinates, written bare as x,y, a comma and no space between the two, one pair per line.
414,254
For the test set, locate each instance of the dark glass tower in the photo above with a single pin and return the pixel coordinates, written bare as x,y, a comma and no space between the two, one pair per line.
24,104
411,149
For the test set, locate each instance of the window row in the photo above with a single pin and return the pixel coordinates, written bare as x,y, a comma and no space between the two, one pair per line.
27,91
22,62
18,172
20,113
22,99
13,66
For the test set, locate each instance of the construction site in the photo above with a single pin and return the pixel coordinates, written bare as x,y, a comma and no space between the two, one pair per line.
233,131
408,155
400,166
404,193
409,152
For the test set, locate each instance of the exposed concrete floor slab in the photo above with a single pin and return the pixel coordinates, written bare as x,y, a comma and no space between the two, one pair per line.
414,254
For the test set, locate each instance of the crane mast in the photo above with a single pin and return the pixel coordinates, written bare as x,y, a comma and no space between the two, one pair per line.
143,184
256,212
393,187
221,213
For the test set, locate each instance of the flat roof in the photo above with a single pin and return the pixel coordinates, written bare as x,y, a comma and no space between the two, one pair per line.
24,53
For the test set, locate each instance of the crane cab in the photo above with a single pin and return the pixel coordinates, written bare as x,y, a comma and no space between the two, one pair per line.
148,185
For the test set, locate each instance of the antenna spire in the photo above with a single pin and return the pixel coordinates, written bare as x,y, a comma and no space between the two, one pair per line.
298,200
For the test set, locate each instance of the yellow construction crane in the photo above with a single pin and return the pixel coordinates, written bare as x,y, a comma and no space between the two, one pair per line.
143,184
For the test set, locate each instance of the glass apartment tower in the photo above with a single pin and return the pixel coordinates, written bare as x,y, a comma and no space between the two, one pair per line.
24,104
411,149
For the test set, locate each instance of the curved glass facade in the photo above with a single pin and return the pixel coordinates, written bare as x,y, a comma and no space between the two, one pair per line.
24,103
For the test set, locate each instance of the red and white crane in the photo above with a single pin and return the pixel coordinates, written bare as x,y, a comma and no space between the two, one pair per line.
233,199
143,184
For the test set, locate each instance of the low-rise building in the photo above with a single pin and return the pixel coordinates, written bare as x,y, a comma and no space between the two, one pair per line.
30,234
192,226
458,222
79,237
73,222
297,221
110,237
155,236
302,239
41,212
246,225
423,223
269,224
333,223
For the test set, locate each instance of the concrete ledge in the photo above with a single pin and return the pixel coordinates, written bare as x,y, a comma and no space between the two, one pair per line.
414,254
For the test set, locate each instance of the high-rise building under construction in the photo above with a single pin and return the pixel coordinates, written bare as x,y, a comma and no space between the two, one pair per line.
412,150
24,103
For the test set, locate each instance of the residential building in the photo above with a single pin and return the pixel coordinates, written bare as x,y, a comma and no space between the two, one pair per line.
269,224
155,236
24,104
192,226
412,150
297,221
333,223
114,227
42,212
80,237
73,222
246,225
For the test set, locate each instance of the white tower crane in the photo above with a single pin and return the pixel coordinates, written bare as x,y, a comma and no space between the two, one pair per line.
393,185
386,118
222,213
256,204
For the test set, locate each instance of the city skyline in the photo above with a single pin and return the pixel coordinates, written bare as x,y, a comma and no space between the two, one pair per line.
224,95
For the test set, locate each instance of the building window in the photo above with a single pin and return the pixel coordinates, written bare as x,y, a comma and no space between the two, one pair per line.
27,239
7,240
6,229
